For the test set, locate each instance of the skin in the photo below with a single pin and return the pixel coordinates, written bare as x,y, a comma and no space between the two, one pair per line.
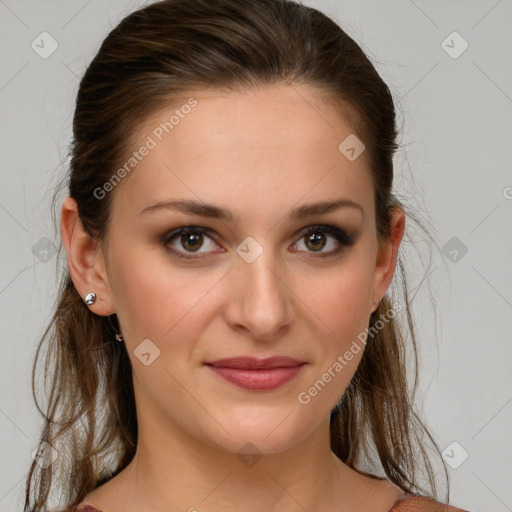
258,154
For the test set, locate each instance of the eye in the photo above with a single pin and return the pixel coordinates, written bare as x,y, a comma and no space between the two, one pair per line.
188,240
316,238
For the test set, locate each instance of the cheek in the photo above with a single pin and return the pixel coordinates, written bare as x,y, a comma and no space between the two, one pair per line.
339,298
157,301
340,322
141,297
338,306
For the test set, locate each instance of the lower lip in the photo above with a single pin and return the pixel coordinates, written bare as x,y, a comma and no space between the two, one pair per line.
258,380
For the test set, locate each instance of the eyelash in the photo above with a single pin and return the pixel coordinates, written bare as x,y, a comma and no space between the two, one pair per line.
340,235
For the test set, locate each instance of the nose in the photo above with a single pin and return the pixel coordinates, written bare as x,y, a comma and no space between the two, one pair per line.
259,298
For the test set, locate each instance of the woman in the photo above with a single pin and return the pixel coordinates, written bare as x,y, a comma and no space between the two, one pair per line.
223,336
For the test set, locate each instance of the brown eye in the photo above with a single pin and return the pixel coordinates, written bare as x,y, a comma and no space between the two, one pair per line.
194,238
315,241
318,237
192,241
189,240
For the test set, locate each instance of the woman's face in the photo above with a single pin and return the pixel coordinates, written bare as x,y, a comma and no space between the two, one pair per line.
251,282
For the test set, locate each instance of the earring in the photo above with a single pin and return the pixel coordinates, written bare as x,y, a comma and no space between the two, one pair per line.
119,336
378,304
90,298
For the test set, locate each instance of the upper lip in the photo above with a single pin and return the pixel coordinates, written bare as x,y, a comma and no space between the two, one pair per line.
247,363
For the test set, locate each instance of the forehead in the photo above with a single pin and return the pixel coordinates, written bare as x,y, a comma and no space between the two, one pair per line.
276,142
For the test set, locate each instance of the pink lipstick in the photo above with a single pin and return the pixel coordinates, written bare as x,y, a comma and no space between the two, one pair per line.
257,374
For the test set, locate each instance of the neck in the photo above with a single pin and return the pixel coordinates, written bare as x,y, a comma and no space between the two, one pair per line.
172,470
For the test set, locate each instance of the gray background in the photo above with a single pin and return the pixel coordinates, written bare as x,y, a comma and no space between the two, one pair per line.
455,171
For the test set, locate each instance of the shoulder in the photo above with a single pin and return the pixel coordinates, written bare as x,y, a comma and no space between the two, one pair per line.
82,507
416,503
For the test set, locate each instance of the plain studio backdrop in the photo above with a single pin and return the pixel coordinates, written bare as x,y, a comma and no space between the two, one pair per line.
449,66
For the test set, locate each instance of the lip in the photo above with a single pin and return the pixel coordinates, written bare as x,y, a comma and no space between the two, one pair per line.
253,363
257,374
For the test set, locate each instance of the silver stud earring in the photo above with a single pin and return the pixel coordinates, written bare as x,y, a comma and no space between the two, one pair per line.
90,298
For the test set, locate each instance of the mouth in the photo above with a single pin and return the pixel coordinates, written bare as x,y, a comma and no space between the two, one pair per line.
257,374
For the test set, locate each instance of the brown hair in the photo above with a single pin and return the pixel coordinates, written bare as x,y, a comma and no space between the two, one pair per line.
167,49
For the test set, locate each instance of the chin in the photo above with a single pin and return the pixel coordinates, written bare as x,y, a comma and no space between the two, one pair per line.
256,434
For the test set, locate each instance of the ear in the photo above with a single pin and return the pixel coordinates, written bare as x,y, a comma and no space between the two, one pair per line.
86,260
387,256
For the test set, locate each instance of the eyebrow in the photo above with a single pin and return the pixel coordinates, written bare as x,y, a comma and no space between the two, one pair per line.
193,207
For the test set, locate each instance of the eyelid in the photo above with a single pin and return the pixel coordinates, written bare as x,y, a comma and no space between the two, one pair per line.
340,234
173,233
